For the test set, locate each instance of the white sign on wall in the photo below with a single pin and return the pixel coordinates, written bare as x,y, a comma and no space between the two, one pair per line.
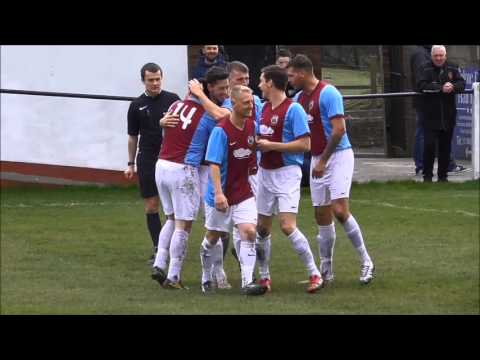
70,131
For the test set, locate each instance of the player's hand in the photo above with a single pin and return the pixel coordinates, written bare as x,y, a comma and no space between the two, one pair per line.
253,170
169,120
129,172
319,169
264,145
221,203
195,87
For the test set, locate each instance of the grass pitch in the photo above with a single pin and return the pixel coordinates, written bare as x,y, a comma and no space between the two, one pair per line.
82,250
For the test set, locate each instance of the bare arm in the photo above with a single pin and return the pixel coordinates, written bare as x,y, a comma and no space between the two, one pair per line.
301,144
221,203
339,129
210,107
132,151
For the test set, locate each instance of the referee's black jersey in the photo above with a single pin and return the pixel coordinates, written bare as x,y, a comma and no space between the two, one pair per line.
144,115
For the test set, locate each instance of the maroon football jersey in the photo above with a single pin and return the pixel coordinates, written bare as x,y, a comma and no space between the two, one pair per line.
311,106
176,140
241,157
271,128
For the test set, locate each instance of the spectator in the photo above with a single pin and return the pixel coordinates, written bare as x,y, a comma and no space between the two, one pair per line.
283,58
440,81
210,56
419,58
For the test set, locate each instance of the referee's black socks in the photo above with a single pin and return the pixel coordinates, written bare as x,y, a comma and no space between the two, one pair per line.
154,226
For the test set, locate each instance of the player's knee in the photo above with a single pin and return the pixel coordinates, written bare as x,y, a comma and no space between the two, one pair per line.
287,228
341,215
250,233
340,211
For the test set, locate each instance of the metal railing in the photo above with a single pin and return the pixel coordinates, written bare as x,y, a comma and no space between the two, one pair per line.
475,118
128,98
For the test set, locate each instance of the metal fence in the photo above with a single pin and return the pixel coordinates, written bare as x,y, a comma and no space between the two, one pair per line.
475,119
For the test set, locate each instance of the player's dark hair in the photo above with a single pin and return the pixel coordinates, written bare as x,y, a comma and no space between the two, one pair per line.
214,74
152,67
301,62
277,75
284,53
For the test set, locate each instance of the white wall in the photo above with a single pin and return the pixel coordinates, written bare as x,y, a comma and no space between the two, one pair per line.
77,132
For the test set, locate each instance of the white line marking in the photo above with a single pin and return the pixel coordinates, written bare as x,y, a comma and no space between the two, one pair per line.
70,204
385,204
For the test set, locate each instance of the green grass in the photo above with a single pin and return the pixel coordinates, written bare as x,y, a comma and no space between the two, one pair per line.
79,250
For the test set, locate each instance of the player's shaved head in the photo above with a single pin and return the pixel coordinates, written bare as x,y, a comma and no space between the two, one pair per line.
301,62
238,90
242,101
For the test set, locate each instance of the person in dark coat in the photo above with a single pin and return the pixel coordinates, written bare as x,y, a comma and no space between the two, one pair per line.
420,56
440,81
211,56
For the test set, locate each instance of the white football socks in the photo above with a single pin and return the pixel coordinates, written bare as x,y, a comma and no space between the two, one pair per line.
355,235
264,245
178,251
247,258
236,239
302,248
326,242
206,260
217,259
161,259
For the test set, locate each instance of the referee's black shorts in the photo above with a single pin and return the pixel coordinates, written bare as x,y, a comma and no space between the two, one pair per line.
146,174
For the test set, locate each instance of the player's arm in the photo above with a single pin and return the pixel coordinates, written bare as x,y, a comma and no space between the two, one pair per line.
133,125
332,102
301,144
210,107
215,156
338,130
221,202
132,151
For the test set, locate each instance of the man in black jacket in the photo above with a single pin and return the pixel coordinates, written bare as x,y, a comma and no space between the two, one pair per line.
211,55
144,115
420,56
440,81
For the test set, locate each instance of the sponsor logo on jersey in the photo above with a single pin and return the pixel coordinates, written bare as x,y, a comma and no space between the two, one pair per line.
266,130
242,153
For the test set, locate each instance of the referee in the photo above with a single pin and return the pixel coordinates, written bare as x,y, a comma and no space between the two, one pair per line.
144,114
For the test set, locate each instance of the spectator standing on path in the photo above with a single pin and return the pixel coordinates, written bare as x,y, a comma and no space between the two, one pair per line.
440,81
211,56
